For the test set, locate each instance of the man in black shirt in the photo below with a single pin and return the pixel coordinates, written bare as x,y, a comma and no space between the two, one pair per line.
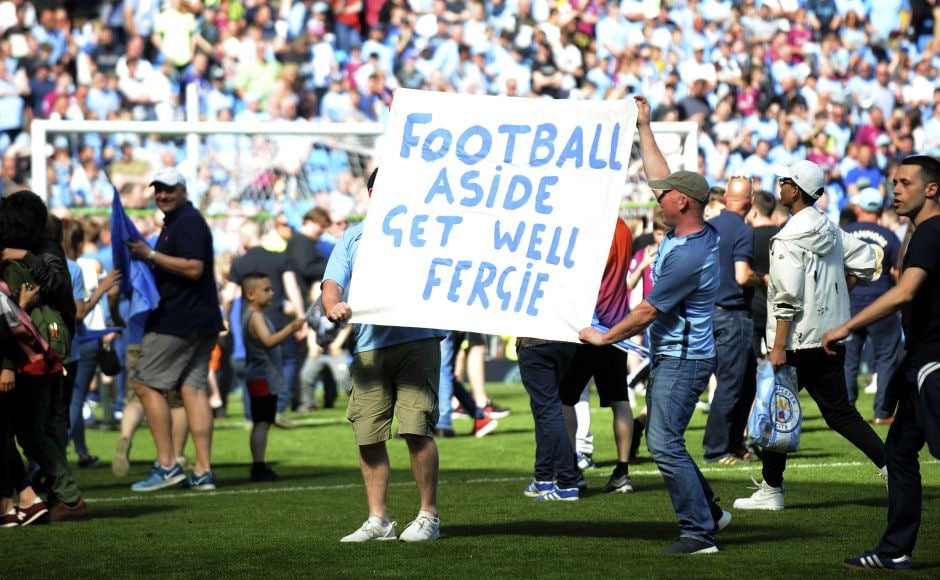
180,334
761,219
303,249
916,382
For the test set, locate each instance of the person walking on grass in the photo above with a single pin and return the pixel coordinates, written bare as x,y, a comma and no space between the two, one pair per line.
736,369
813,265
916,381
31,256
678,313
886,340
264,372
607,365
180,336
395,371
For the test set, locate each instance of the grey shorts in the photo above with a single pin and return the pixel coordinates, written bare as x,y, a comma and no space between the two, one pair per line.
168,362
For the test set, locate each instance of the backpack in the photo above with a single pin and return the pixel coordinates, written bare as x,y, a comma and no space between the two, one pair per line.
47,319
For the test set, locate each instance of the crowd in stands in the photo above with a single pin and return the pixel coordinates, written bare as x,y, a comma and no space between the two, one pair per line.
850,84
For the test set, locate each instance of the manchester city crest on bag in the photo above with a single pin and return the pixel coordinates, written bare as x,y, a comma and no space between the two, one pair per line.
776,416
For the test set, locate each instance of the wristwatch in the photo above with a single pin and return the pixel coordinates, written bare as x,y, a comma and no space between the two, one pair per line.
152,256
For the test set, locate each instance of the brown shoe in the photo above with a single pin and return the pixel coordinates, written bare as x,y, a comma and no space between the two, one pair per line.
882,420
62,511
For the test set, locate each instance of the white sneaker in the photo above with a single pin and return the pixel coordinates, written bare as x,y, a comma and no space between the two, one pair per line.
765,498
883,472
372,530
425,528
585,461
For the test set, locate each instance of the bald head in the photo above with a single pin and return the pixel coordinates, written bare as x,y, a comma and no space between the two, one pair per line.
739,195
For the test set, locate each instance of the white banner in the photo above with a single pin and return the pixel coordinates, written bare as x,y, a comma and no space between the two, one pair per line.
491,214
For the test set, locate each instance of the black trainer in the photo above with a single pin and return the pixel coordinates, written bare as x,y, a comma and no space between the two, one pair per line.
263,473
619,484
686,545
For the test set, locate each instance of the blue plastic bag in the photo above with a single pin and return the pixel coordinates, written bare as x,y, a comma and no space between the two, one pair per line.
776,416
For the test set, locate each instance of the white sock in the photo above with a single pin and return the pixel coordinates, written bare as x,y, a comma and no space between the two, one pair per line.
427,514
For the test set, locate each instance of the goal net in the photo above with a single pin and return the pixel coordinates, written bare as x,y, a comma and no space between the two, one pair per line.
268,168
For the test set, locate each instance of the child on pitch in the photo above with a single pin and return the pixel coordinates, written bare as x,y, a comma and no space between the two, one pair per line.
264,371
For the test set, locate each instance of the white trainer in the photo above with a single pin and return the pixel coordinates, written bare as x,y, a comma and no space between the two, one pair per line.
425,528
765,498
372,530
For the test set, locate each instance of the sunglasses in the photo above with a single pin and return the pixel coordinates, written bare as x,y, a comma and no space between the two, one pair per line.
785,180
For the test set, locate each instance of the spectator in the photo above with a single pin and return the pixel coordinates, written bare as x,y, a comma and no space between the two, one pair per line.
409,391
835,260
885,335
916,381
181,332
686,277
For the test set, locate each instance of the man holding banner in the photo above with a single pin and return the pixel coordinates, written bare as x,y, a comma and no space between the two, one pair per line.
493,215
678,312
395,370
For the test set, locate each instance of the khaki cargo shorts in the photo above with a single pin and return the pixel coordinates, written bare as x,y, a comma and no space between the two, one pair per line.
399,380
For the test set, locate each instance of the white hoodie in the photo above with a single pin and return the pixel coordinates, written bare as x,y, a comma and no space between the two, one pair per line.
809,260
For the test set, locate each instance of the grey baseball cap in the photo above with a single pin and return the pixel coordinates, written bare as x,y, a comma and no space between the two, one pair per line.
688,182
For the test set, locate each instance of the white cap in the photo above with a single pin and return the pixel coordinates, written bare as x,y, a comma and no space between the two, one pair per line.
806,175
169,176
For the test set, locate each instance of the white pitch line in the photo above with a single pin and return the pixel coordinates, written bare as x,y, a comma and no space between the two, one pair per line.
594,474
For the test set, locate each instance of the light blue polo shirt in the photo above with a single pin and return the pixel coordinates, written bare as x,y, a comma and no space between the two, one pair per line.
368,336
685,285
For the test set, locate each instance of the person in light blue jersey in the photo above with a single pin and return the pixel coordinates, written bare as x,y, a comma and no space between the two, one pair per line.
678,313
395,370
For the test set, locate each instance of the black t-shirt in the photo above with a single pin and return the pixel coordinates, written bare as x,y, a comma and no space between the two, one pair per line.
188,308
761,266
273,265
886,246
921,316
308,261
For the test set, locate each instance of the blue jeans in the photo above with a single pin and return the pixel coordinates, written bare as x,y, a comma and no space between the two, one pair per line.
87,366
885,336
445,389
291,368
736,371
542,368
674,388
120,379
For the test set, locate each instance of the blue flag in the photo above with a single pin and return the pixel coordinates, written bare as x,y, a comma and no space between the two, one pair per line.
137,282
625,345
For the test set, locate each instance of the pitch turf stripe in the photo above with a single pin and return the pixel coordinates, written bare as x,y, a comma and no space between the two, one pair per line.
598,474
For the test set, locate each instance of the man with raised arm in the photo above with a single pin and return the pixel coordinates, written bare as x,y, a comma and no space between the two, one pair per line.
678,313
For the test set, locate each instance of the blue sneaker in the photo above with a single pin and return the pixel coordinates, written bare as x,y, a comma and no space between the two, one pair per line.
160,478
873,561
560,494
203,482
538,488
